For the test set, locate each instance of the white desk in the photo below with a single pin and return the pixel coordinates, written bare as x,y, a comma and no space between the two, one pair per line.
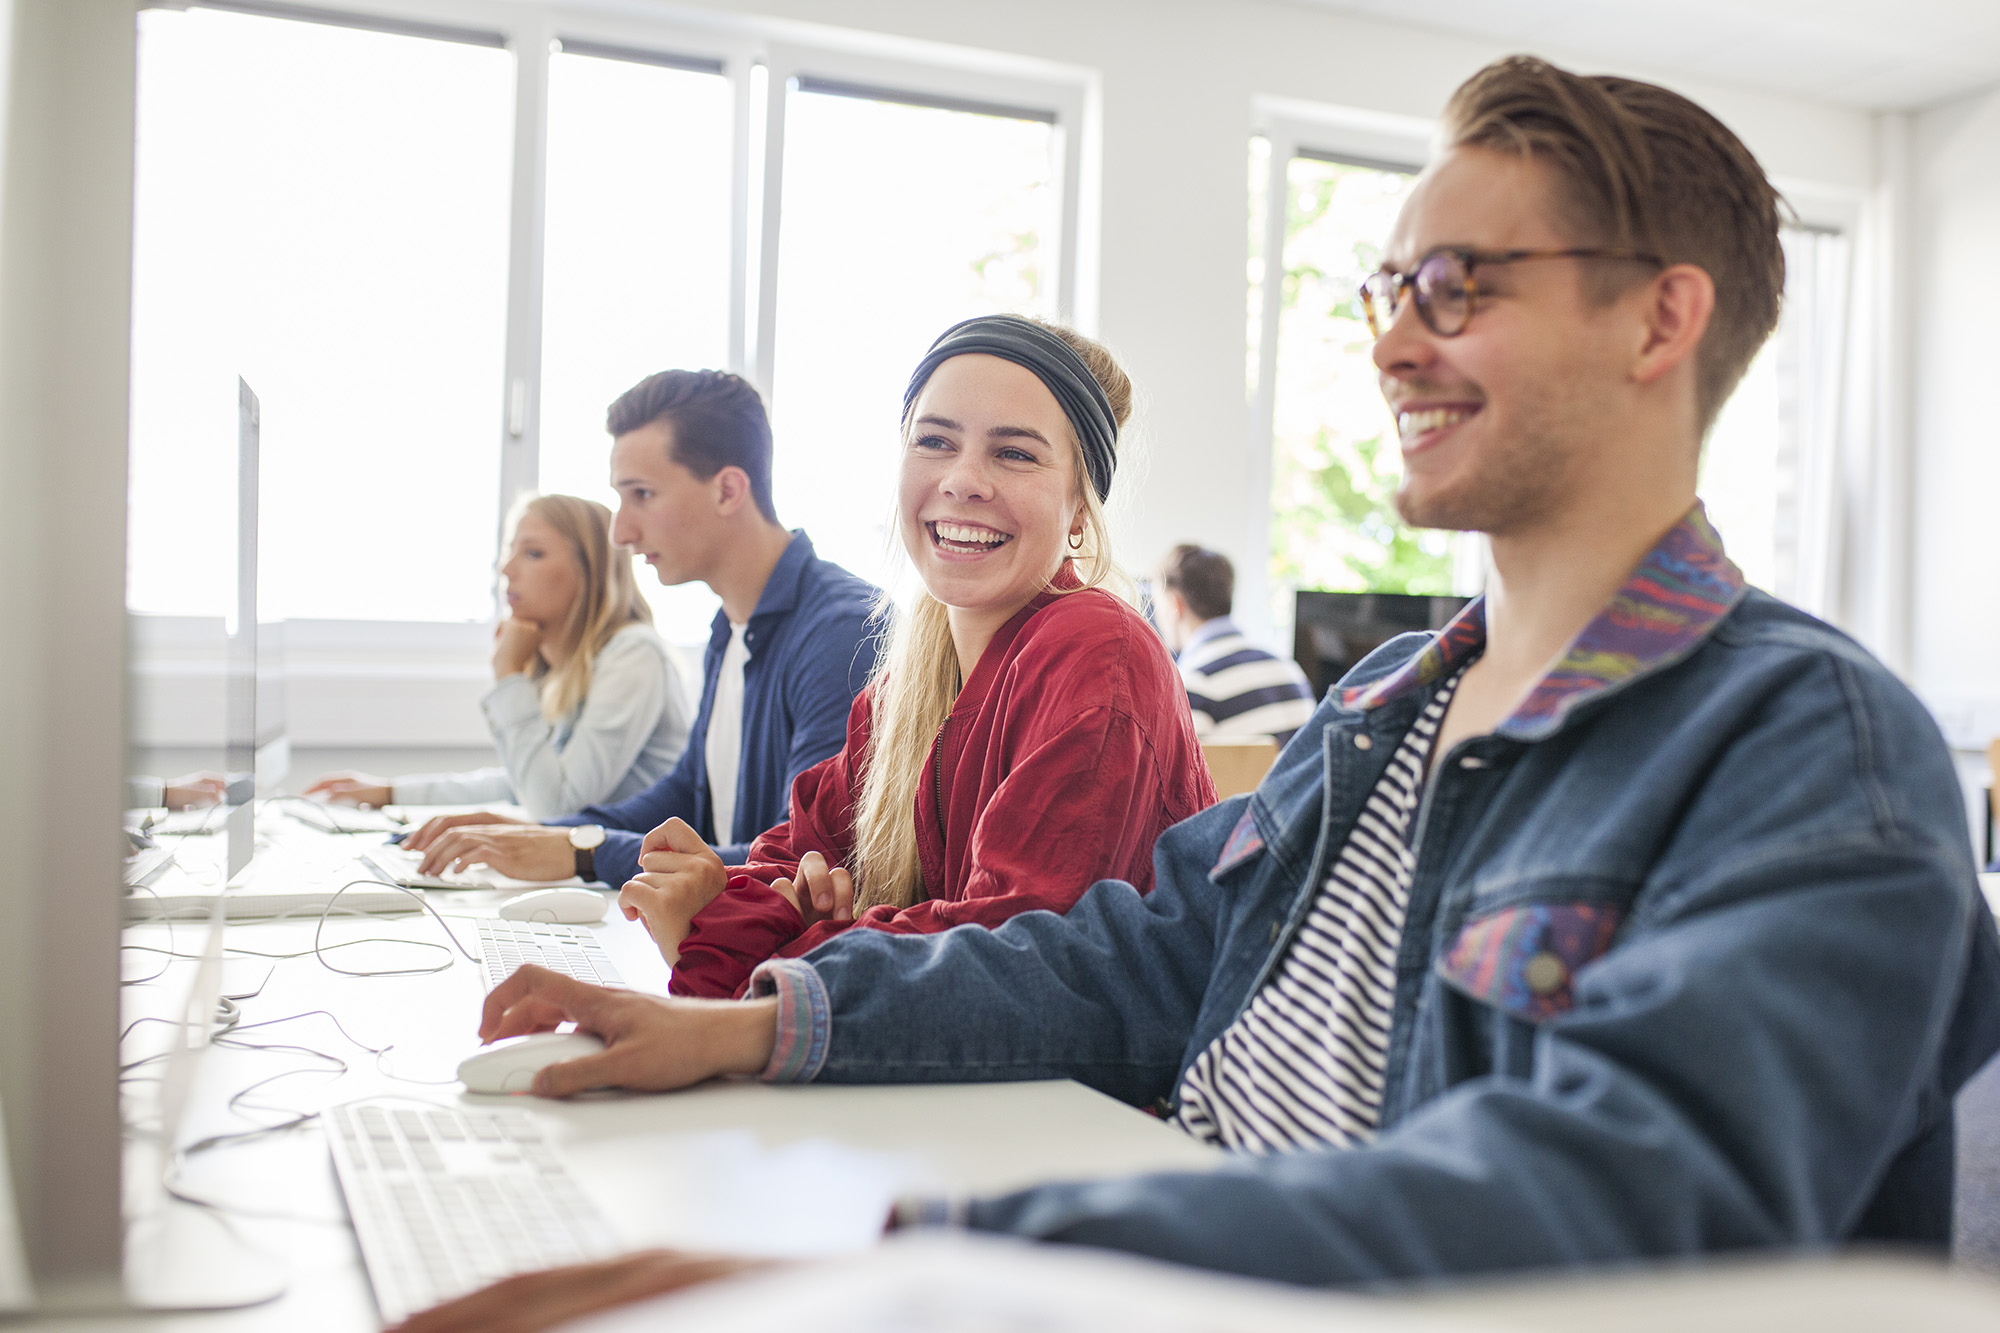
713,1166
699,1163
1857,1293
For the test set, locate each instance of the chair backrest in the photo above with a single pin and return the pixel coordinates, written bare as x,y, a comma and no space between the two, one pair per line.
1992,792
1238,766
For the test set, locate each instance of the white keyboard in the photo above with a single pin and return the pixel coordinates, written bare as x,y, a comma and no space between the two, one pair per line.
291,878
147,864
445,1202
570,950
392,863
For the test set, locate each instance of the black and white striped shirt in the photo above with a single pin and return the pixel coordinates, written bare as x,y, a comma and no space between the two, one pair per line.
1302,1066
1237,690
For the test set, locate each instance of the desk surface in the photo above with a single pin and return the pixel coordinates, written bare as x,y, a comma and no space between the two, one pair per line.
714,1165
711,1166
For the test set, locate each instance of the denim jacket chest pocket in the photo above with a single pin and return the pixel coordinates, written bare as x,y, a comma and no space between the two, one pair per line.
1520,952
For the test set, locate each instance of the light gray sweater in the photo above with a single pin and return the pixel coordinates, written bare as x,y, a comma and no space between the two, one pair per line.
625,735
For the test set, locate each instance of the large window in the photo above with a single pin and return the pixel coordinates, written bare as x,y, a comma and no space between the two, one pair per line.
322,211
636,275
438,253
1334,457
1766,470
1334,449
637,261
875,261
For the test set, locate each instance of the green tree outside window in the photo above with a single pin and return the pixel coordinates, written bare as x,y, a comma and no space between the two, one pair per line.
1335,463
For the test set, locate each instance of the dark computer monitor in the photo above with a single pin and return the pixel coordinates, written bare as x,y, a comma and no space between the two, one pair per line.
1334,630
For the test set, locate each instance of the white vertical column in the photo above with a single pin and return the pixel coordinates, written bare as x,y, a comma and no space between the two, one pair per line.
1082,280
1888,592
520,431
1253,575
777,91
1070,137
745,119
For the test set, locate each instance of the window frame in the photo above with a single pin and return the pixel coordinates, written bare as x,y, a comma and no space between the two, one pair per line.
1826,488
762,59
1358,137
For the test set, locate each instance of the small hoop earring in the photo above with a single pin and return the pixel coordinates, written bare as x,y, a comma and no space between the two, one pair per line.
1076,541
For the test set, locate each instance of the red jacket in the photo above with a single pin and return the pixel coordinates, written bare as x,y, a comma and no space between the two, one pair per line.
1068,752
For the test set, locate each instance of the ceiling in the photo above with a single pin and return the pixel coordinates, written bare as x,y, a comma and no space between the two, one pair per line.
1876,54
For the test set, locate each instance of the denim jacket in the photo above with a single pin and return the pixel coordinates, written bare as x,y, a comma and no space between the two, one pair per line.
1694,960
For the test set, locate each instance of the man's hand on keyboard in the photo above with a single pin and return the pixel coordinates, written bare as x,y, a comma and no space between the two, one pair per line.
679,875
524,851
652,1043
433,829
532,1301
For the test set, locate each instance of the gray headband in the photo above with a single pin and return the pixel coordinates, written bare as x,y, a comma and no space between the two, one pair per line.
1054,362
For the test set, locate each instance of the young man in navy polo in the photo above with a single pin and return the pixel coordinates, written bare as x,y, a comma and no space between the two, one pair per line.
787,653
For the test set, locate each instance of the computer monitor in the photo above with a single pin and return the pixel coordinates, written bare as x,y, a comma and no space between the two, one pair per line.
240,667
65,299
170,1264
64,1238
258,753
1332,631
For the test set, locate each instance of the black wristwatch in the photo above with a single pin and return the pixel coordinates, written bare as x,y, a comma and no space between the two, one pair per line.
586,839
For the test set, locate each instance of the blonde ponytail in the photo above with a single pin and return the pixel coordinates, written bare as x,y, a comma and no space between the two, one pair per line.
917,681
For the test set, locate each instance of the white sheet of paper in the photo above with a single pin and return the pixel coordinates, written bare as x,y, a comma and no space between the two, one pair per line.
725,1192
978,1284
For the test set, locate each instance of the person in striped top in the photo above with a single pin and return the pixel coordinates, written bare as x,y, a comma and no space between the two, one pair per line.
1236,689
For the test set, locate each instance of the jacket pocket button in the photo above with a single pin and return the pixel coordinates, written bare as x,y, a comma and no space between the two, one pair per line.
1363,741
1545,974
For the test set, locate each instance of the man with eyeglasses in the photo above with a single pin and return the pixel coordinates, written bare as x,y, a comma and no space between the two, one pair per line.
1632,916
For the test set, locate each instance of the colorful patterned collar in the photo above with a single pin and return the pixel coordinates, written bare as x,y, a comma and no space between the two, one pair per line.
1677,595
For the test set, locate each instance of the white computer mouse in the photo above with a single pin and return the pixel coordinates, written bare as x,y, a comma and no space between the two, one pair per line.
564,907
511,1065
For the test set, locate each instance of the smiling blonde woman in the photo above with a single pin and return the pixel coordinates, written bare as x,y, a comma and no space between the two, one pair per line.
586,705
1026,734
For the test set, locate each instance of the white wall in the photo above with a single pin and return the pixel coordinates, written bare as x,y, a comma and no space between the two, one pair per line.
1955,633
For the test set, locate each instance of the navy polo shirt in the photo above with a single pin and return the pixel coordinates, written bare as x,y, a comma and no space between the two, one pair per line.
813,642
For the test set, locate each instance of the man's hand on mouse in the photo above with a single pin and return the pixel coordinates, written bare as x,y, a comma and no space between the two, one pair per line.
524,851
652,1043
679,875
530,1302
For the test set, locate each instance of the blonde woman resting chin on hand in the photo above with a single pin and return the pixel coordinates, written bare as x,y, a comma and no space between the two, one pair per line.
587,705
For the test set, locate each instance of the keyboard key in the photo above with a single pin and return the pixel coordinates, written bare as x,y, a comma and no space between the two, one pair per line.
572,950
